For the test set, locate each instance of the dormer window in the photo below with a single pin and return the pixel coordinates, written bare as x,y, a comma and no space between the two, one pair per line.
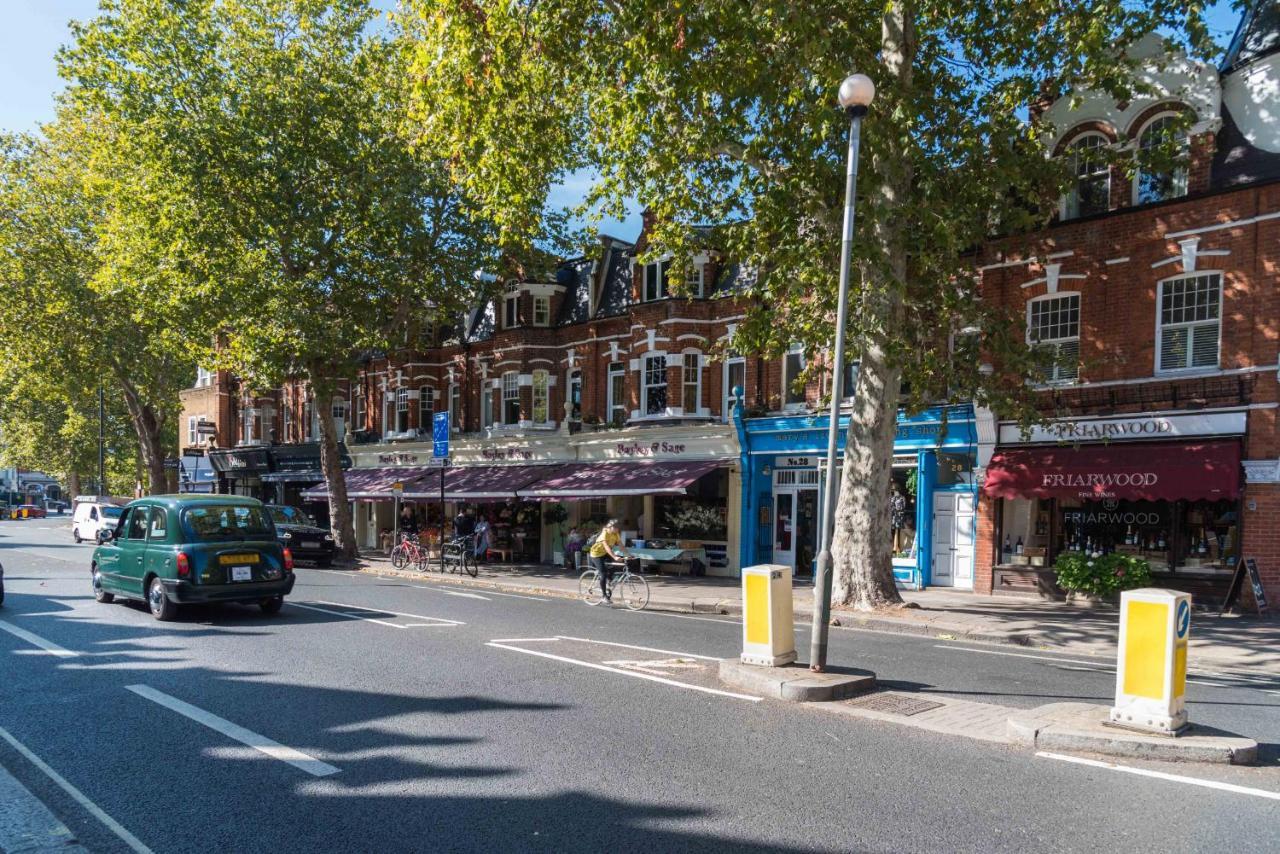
1090,191
1152,184
657,281
541,311
511,311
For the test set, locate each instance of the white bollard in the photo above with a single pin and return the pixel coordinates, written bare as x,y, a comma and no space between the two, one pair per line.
768,630
1151,664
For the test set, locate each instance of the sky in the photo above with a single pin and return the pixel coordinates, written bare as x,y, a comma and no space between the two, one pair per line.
33,30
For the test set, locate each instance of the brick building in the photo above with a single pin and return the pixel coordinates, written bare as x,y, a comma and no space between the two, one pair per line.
1157,298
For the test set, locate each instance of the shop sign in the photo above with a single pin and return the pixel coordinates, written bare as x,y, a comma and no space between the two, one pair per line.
917,431
1110,513
499,454
398,459
1089,482
642,449
796,462
1134,428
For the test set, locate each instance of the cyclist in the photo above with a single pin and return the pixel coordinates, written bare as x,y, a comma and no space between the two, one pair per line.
607,544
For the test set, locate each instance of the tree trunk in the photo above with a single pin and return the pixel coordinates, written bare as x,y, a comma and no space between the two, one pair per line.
340,521
73,484
862,547
148,426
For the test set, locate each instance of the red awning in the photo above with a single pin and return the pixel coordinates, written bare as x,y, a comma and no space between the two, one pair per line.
476,483
375,483
599,480
1164,471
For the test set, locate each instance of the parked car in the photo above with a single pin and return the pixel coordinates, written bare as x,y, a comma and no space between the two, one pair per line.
300,533
27,511
171,550
90,517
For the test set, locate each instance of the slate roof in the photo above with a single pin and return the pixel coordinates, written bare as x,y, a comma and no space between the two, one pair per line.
615,292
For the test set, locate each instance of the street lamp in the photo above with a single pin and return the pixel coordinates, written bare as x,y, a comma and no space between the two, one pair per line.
856,93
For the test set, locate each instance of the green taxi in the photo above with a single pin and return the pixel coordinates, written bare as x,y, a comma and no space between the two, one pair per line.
169,550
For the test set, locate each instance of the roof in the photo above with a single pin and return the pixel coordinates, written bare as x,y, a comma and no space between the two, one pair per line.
1258,35
615,290
173,502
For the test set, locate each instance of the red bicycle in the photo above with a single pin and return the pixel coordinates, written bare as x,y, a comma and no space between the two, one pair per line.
407,551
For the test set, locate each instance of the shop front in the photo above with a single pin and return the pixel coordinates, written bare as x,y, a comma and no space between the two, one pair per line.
295,468
240,471
1164,488
932,496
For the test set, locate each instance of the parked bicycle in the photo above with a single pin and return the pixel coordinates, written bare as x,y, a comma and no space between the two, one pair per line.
407,551
629,587
459,555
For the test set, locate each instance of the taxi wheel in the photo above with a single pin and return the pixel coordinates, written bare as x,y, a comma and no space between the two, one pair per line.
161,608
272,605
98,593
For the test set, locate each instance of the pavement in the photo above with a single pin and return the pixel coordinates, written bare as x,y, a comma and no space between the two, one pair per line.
410,713
1229,644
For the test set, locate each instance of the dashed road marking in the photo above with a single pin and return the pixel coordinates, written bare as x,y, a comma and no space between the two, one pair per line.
1161,775
34,639
261,743
432,620
464,595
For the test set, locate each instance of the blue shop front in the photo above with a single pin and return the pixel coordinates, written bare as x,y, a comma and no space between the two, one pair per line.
934,498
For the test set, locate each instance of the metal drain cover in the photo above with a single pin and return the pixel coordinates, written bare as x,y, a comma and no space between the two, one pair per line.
895,704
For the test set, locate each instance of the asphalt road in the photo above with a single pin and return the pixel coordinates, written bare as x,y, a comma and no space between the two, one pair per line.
389,715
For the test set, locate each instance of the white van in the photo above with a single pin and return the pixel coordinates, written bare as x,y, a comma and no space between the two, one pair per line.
92,514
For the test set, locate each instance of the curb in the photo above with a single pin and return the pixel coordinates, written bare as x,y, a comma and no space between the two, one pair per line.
794,682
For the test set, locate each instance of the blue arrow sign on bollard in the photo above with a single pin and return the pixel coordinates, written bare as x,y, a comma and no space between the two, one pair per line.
440,434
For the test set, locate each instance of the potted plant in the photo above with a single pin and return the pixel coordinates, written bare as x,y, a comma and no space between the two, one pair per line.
1097,578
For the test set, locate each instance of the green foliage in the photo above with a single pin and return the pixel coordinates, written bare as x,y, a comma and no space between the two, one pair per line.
1103,575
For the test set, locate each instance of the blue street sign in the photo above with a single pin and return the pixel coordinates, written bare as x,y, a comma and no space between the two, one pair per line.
1184,618
440,434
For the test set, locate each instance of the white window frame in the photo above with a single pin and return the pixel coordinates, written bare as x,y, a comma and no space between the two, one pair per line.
313,420
402,410
192,435
1057,376
662,270
286,420
338,412
511,311
455,407
614,406
694,277
358,409
1189,325
1180,176
251,425
646,386
204,377
511,392
388,411
486,405
426,408
574,382
541,404
694,357
1071,201
727,399
541,310
788,380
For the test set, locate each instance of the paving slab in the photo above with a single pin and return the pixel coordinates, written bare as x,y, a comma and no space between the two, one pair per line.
1081,728
944,715
795,683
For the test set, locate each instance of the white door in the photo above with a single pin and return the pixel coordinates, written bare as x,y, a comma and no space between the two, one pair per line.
953,538
784,528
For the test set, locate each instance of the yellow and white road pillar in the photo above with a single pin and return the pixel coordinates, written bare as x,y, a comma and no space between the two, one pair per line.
768,630
1151,667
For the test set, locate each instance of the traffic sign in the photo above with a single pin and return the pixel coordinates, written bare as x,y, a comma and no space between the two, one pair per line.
440,434
397,489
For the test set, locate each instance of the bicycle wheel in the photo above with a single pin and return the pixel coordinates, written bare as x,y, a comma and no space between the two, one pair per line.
399,557
635,591
589,587
469,564
420,561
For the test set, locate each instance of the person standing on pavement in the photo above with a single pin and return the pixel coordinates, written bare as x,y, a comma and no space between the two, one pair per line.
607,544
464,524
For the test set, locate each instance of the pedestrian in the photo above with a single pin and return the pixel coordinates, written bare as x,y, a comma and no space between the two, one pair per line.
604,545
483,540
464,524
408,521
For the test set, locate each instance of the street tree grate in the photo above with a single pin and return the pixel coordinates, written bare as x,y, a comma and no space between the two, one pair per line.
895,704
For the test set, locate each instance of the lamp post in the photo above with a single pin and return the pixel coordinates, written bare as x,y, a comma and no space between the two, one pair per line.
856,93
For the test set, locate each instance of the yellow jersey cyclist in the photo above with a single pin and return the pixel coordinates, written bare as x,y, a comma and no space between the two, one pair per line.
607,546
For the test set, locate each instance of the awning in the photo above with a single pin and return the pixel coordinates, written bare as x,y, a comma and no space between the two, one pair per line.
375,483
599,480
477,483
294,476
1156,471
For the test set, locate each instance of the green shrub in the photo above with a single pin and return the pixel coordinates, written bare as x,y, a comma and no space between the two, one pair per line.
1101,576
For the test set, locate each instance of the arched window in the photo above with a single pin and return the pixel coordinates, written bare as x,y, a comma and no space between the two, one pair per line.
1156,179
1091,186
691,382
541,397
426,407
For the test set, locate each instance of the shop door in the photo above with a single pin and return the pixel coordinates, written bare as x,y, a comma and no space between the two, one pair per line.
953,539
806,530
784,528
795,519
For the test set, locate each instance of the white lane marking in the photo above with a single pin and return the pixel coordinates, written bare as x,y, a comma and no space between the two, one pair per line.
261,743
1161,775
633,674
389,611
1095,666
48,646
644,648
375,578
464,595
345,614
526,640
78,796
436,588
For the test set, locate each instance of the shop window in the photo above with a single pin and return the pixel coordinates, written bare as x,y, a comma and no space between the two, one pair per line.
511,398
792,368
597,509
1152,184
426,407
617,394
902,510
657,280
511,311
541,393
402,410
655,385
691,377
735,376
1191,535
541,311
1053,326
455,407
1189,321
1091,187
700,515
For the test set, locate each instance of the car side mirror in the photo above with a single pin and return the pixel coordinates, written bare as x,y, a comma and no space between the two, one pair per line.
106,535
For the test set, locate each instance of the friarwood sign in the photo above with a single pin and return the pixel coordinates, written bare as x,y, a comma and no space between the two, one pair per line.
1127,428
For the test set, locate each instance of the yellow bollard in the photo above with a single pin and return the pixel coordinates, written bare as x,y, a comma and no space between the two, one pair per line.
768,630
1151,665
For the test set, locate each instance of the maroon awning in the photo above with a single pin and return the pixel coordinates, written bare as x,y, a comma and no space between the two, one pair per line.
1163,471
375,483
599,480
476,483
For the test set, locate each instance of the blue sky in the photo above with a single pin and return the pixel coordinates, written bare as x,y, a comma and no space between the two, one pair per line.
34,29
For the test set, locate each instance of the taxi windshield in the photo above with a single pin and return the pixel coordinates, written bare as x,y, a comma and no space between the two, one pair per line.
227,522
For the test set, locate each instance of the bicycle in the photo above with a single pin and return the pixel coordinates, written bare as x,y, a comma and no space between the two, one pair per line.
631,587
408,549
460,555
